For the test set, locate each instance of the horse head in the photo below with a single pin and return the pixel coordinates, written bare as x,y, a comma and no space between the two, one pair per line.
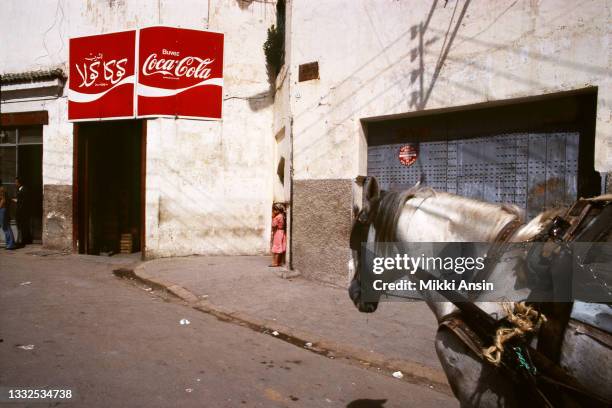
359,235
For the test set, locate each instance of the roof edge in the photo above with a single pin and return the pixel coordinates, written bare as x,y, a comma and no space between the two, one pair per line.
32,76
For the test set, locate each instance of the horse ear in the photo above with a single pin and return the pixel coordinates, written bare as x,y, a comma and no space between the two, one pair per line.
371,189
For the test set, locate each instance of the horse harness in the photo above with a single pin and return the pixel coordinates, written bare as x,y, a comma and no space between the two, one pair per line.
537,369
588,220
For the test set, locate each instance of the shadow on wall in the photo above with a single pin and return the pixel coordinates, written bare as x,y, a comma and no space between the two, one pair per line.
184,212
419,98
256,102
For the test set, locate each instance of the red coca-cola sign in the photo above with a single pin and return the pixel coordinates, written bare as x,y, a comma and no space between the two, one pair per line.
408,155
180,73
101,76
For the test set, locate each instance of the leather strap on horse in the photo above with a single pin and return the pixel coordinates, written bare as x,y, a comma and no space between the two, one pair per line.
508,231
587,221
550,338
474,327
496,250
468,336
551,386
474,342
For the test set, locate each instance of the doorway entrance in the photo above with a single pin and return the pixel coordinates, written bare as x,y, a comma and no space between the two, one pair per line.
21,152
109,187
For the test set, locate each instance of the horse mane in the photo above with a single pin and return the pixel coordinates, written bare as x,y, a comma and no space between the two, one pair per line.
537,226
387,207
389,210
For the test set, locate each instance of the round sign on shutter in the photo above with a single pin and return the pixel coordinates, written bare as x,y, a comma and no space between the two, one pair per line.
408,154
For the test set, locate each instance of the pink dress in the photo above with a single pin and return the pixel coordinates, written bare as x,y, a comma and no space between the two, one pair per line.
279,240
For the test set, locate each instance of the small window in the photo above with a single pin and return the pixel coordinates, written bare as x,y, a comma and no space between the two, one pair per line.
8,136
308,71
8,163
30,134
280,170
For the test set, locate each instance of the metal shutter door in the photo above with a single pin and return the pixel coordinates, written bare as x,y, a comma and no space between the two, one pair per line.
535,171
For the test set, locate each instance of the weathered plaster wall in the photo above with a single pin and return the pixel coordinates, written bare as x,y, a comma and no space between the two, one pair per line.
57,169
281,126
208,187
283,115
57,216
321,226
210,184
35,33
389,57
282,131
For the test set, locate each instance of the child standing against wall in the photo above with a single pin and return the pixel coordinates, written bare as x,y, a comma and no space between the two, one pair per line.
279,238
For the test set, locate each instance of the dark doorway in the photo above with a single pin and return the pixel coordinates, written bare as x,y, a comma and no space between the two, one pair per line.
109,161
30,171
21,152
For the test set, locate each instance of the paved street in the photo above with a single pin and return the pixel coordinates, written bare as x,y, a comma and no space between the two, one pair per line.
115,344
399,336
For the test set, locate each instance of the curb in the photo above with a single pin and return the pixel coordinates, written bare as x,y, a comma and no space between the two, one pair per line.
285,273
414,372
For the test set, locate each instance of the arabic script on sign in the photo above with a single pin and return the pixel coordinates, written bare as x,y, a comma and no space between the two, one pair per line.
111,71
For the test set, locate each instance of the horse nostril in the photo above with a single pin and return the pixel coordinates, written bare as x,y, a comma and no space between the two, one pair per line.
368,307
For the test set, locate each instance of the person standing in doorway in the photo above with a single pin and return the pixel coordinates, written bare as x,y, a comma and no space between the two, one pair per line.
4,218
279,239
24,235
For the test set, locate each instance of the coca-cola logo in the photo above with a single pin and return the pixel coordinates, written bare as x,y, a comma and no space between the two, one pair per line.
95,68
173,68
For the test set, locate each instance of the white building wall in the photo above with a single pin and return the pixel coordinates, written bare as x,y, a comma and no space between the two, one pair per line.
376,58
36,32
391,57
209,184
58,133
396,56
57,165
282,135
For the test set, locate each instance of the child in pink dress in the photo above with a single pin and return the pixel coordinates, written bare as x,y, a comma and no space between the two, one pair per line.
279,239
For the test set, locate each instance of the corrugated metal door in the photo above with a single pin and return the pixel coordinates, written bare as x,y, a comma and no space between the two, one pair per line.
535,171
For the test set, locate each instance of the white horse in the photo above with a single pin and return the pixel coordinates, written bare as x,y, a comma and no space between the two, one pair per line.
424,215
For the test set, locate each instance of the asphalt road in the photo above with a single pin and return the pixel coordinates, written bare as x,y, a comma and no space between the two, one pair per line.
116,345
